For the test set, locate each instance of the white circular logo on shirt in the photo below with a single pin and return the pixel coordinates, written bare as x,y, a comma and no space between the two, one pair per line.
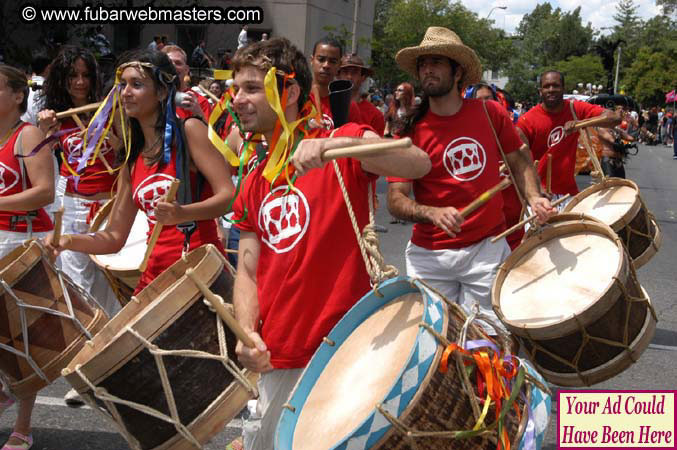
150,191
465,159
556,136
74,146
327,122
284,218
8,178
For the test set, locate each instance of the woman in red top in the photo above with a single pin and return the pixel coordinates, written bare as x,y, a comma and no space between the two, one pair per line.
148,83
400,109
26,187
74,81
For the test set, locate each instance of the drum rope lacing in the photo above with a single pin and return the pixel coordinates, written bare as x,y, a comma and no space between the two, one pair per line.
111,400
587,337
480,428
650,219
24,306
368,241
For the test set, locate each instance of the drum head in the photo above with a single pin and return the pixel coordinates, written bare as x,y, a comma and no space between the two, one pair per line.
131,255
610,202
556,276
381,355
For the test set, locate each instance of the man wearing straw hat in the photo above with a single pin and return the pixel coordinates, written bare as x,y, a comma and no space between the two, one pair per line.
299,264
452,252
353,69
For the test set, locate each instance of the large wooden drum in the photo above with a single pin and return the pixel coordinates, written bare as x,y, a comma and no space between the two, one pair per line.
572,296
122,268
377,377
164,368
617,203
45,319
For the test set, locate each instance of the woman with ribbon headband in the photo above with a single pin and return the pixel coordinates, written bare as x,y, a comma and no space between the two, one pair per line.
159,149
86,183
26,187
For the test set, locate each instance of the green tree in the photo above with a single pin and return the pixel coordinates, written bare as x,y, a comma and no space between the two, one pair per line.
581,69
651,75
668,6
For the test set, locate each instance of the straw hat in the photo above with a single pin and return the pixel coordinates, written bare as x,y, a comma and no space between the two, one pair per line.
352,60
442,41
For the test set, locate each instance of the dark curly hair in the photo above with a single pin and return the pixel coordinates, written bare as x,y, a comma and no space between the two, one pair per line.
164,77
55,88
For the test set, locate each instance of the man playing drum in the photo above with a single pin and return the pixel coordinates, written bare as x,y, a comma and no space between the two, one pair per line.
549,128
452,253
299,266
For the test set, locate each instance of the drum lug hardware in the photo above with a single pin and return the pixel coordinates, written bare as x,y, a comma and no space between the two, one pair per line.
328,341
135,299
289,407
90,343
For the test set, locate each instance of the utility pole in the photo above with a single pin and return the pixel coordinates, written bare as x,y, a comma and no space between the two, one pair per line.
618,66
355,14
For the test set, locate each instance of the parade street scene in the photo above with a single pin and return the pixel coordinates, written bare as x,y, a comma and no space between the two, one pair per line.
367,224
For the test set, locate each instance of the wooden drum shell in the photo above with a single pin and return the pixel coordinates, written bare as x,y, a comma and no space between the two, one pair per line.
171,314
605,317
53,340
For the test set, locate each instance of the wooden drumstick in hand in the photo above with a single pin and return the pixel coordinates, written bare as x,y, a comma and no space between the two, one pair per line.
519,225
170,197
548,176
58,219
365,149
78,110
485,197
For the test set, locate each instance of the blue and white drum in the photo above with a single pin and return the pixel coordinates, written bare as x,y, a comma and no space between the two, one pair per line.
377,375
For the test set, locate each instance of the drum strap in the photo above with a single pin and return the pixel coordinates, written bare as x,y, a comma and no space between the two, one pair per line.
500,149
30,215
183,174
588,146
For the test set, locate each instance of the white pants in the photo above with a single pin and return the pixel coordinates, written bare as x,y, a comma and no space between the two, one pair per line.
9,240
274,390
463,275
79,266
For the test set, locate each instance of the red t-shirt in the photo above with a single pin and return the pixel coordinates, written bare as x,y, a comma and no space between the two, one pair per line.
545,132
149,186
372,116
11,183
310,270
354,115
465,161
205,106
95,178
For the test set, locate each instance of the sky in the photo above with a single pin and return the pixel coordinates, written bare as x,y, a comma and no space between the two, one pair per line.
599,12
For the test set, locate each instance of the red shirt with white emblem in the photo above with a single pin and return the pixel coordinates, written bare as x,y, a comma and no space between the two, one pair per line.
545,133
149,186
10,184
354,115
372,116
465,161
205,106
310,270
95,178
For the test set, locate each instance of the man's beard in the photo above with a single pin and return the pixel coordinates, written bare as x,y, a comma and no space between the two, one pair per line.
438,90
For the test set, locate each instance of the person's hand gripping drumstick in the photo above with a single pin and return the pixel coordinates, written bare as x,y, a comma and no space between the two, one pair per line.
254,357
166,213
54,242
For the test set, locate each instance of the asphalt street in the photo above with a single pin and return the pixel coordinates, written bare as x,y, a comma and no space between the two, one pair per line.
58,427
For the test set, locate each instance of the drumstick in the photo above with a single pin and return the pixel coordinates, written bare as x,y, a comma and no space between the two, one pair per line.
208,94
484,197
78,110
171,195
592,154
519,225
365,149
590,122
217,303
58,217
548,176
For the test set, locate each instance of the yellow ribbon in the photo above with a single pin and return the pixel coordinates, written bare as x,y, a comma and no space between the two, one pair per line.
223,74
226,151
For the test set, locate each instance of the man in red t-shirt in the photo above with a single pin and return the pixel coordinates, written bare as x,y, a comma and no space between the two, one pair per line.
452,253
191,103
325,64
293,284
354,70
549,129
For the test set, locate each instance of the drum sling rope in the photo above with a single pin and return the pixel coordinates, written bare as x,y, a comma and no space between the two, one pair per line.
650,220
111,400
368,241
587,337
26,354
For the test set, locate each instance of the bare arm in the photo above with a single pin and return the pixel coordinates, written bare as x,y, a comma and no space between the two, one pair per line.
114,236
210,163
39,170
246,303
612,119
527,182
402,206
409,162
